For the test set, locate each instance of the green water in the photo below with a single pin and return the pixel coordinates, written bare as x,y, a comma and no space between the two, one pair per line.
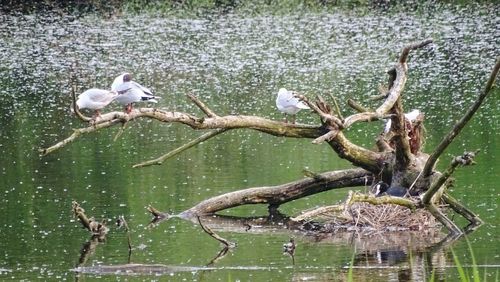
235,65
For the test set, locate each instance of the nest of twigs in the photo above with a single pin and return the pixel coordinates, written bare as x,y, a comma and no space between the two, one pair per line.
367,217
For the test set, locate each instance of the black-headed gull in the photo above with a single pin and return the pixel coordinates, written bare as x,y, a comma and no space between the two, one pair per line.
95,99
289,104
411,116
130,92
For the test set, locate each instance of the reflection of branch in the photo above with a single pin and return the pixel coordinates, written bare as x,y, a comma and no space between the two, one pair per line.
429,165
88,248
219,256
214,235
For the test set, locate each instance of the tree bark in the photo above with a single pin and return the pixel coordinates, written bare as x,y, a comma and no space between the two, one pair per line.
277,195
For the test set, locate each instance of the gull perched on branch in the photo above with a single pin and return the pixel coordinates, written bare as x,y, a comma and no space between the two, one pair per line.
130,92
289,104
95,99
411,116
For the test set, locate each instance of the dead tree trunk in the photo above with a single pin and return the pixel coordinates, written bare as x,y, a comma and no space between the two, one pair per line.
398,160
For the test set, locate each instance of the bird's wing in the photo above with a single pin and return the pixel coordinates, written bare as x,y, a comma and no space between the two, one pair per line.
142,88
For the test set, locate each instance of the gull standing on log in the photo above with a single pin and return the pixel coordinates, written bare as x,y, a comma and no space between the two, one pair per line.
130,92
288,104
95,99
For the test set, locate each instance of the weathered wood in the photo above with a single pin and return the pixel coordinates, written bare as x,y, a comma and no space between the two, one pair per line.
277,195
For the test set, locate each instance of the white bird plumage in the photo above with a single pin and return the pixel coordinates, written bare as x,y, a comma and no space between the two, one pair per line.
130,91
288,104
95,99
411,116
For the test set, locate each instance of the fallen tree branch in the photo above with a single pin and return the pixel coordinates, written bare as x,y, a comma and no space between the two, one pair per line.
457,128
277,195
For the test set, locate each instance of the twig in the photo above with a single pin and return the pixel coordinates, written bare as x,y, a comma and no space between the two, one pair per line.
121,222
76,134
160,160
337,108
407,49
96,228
201,105
318,212
326,137
327,117
358,107
214,235
431,161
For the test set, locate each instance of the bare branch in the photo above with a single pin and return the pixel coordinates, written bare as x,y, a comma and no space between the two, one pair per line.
201,105
466,159
366,116
397,86
226,122
404,55
358,107
326,137
462,210
429,165
326,117
160,160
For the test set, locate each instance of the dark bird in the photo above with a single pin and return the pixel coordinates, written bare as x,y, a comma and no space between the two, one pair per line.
382,188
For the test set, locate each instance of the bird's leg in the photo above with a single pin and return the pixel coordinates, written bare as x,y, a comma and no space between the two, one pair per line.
286,118
128,108
293,119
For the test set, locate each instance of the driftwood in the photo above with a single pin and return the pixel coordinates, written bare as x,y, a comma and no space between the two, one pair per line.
398,161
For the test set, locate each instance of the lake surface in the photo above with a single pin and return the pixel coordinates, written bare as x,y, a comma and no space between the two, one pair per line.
236,66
